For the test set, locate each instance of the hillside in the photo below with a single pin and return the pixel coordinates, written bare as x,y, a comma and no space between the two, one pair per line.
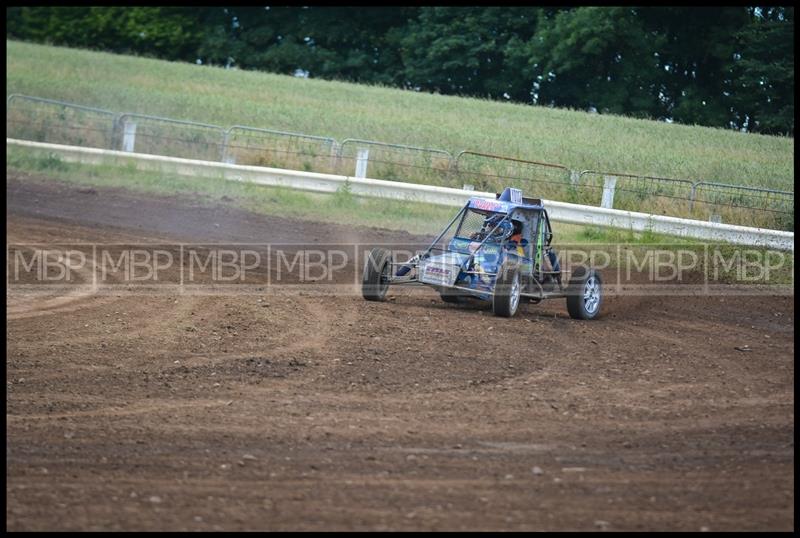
578,140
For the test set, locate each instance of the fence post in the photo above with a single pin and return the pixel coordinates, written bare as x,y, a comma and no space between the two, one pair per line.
574,177
609,183
226,158
691,197
361,162
129,135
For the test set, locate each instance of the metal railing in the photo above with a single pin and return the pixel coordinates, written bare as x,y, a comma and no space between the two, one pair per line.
748,206
484,171
173,138
279,149
397,162
60,122
636,192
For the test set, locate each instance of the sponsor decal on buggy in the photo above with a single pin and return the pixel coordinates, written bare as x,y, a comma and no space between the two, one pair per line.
488,205
440,274
459,243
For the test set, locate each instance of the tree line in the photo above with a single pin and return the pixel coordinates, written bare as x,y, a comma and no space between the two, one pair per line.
730,67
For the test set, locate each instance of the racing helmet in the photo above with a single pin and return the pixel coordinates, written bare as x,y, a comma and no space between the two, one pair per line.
492,221
503,231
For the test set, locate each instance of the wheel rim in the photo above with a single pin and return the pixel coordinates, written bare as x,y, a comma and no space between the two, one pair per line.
591,295
515,293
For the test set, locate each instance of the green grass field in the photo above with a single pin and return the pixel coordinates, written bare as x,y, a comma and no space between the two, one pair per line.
226,97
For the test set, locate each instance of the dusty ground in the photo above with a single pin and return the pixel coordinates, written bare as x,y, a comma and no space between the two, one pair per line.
295,409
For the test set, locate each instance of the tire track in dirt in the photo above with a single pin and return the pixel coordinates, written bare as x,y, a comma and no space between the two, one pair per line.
418,400
140,408
38,303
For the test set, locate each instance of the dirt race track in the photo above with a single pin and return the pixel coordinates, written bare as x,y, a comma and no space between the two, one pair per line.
307,411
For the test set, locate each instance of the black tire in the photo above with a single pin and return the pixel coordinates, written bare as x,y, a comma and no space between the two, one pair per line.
377,269
584,293
507,291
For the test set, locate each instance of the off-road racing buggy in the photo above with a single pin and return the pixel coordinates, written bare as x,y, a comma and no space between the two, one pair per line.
493,250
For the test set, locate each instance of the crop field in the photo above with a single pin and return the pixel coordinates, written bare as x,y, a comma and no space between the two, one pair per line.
575,139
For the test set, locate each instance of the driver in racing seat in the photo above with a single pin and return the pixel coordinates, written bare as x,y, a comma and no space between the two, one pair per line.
490,226
516,243
502,232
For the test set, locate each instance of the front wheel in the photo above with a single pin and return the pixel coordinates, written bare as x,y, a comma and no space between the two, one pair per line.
584,293
377,268
507,292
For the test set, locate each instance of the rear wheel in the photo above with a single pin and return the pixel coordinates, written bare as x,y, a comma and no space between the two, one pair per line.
377,269
584,293
507,292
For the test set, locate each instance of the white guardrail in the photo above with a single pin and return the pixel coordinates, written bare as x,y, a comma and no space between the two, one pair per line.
310,181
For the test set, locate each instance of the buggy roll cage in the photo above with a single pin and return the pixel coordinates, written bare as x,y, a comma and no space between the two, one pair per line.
542,232
461,214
